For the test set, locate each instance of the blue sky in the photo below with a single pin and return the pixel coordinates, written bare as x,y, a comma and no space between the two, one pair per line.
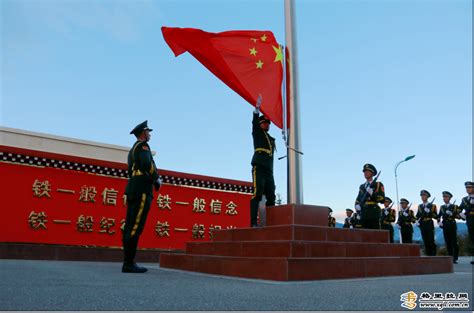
378,80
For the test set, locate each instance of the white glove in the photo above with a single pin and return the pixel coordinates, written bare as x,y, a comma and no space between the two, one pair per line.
405,214
472,201
399,227
385,212
370,190
427,210
358,217
259,103
417,224
357,207
351,227
449,213
440,223
462,215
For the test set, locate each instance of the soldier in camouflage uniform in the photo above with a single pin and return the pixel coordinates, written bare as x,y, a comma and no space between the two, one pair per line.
143,176
374,193
405,221
262,164
467,210
387,217
426,213
447,215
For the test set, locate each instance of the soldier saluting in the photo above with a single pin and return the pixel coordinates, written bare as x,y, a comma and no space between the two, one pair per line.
425,215
406,218
143,176
448,212
262,163
387,217
467,208
370,194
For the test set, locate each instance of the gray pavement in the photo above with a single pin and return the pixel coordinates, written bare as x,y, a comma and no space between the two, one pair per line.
61,285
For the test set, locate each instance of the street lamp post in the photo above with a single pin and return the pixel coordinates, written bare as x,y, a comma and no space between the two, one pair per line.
396,186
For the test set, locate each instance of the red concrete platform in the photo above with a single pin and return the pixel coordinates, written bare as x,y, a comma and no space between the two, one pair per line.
301,249
311,251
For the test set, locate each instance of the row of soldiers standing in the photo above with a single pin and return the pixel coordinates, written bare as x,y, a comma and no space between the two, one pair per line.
368,214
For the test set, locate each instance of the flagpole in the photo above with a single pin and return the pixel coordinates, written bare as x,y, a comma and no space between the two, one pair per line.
295,177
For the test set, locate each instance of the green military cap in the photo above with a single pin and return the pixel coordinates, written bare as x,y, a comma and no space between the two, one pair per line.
349,210
425,192
469,184
388,199
140,127
447,193
263,118
369,167
403,200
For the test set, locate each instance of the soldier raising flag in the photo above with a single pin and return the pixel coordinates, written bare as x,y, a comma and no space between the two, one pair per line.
262,163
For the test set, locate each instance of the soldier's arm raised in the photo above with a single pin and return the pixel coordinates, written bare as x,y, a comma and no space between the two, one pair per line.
256,113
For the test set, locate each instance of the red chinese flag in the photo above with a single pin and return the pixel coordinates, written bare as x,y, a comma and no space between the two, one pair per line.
249,62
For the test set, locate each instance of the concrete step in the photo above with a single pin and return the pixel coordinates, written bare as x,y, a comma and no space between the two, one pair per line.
290,269
301,249
302,232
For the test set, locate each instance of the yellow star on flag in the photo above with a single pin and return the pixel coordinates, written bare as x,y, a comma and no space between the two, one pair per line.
264,37
253,39
253,51
259,64
278,54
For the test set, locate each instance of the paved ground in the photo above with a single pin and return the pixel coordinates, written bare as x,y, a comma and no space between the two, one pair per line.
60,285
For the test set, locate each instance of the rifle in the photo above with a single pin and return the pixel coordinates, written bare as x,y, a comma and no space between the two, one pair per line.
404,210
364,197
382,218
424,213
442,210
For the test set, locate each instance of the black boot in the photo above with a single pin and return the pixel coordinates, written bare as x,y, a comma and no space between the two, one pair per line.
133,268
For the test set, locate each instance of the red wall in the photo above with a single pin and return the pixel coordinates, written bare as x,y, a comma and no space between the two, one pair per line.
19,170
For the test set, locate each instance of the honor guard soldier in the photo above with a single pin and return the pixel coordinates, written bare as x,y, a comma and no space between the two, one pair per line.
406,218
426,213
143,176
370,194
331,219
387,217
262,163
467,208
448,213
348,219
